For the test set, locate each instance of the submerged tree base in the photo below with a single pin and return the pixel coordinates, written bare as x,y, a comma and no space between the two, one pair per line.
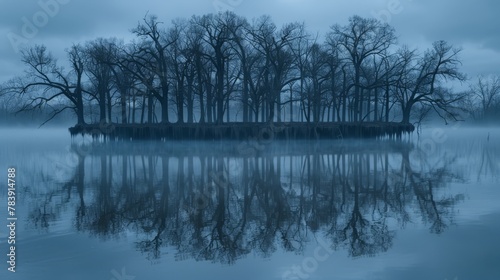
243,131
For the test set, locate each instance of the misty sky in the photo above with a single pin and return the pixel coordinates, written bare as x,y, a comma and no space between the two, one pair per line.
466,23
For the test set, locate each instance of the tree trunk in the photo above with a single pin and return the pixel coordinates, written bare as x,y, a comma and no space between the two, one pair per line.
164,104
180,101
220,88
123,107
190,98
79,110
109,105
245,96
102,106
406,113
150,107
356,95
387,102
209,103
79,103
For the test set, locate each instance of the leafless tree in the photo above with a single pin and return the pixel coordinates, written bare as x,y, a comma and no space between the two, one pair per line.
46,84
151,54
98,57
360,40
275,47
483,100
421,77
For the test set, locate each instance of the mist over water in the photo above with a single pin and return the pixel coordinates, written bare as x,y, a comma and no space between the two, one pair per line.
422,208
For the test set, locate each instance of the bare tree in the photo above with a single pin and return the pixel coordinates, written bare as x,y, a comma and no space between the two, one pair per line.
484,97
200,73
421,77
152,55
360,40
220,61
179,60
98,65
47,84
220,31
123,81
277,71
140,64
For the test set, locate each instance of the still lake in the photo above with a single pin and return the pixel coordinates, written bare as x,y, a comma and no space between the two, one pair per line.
426,207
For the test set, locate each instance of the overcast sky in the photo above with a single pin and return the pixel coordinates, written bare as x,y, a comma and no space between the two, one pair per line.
466,23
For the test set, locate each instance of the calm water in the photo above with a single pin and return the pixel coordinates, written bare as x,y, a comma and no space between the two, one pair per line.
424,208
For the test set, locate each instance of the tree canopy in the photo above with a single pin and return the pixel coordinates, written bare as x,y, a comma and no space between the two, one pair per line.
221,67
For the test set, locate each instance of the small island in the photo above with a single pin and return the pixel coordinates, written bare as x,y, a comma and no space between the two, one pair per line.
220,76
243,131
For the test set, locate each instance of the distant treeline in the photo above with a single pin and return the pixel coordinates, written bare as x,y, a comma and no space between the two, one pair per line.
483,99
221,67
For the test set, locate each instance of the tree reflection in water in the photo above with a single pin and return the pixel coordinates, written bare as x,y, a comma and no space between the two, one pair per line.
214,204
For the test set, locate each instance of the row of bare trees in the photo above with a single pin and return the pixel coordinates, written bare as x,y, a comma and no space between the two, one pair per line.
483,99
220,68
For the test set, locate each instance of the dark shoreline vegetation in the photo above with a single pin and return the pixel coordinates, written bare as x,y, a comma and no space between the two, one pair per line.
220,76
243,131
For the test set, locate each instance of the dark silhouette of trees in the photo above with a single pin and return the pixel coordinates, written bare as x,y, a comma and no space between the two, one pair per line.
221,36
150,55
124,83
420,79
362,40
276,69
47,84
219,68
99,55
483,98
318,74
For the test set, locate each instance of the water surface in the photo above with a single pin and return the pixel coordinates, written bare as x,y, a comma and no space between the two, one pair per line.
422,208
